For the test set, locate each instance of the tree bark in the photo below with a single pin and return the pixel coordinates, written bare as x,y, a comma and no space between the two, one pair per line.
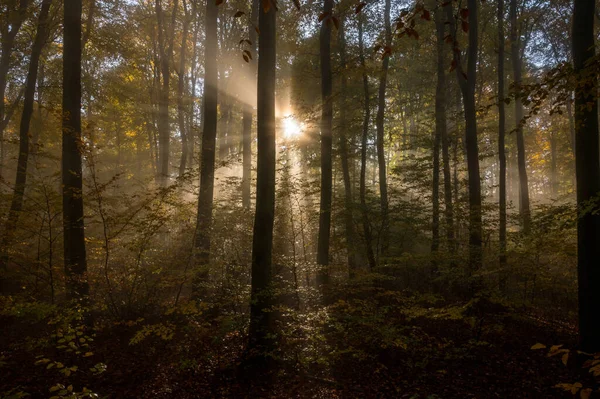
501,145
72,183
363,150
209,137
261,340
442,126
164,134
466,81
247,117
24,147
521,162
180,94
348,203
588,175
379,122
7,38
326,145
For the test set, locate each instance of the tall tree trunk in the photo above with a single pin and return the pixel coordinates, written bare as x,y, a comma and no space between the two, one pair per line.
326,144
348,205
7,38
379,122
442,127
209,137
553,170
363,150
588,175
501,144
180,94
515,42
22,163
72,182
247,116
467,82
261,341
164,134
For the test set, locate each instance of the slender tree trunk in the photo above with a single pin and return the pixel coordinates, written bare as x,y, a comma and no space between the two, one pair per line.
326,145
466,81
440,130
515,42
363,151
209,137
442,125
164,134
247,117
348,205
261,340
588,175
379,122
180,94
72,183
22,163
553,171
501,144
7,39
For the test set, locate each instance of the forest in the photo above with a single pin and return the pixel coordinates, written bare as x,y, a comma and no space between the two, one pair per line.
299,199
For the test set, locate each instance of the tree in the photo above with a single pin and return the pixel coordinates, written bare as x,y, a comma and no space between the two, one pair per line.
185,139
442,132
501,136
209,138
260,336
379,122
247,117
22,163
363,149
587,162
467,82
10,27
165,52
521,162
72,147
348,205
326,142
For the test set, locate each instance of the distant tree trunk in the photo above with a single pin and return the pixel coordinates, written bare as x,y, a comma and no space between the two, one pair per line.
261,341
209,137
501,144
7,39
363,151
379,122
164,134
247,117
326,145
348,205
22,163
467,82
553,171
588,175
180,94
442,127
516,63
73,224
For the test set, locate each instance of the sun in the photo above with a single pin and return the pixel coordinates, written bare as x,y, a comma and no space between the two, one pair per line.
291,127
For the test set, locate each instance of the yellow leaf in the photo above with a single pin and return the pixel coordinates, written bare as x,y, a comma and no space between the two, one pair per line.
565,358
538,346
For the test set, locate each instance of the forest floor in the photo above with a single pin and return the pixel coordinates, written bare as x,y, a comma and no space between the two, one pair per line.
447,361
